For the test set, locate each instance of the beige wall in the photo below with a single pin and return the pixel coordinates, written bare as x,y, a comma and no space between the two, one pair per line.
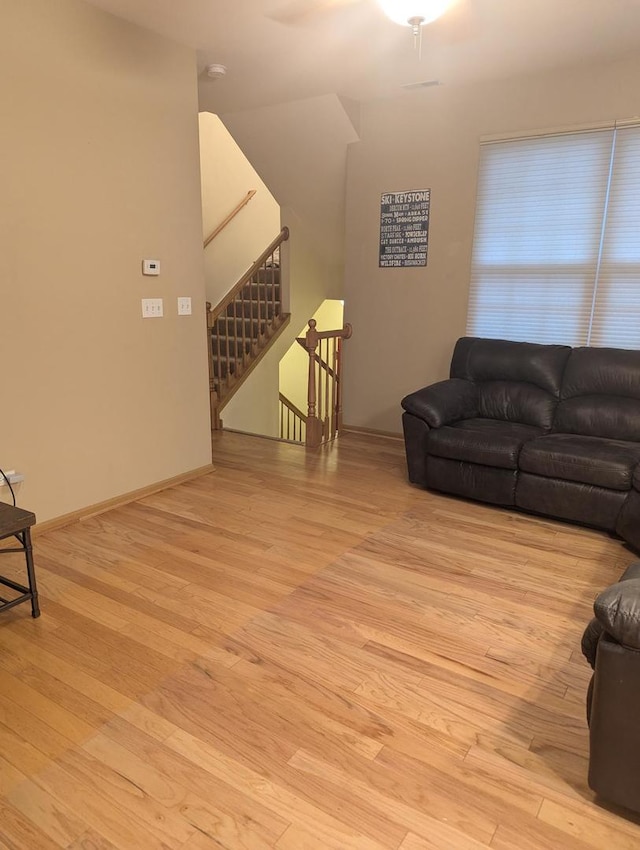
227,176
300,150
99,169
254,408
406,321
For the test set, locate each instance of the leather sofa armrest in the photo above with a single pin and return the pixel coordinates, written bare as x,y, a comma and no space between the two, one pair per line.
600,625
614,731
590,640
617,609
445,402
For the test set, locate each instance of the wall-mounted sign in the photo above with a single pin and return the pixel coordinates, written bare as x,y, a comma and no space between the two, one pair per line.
404,228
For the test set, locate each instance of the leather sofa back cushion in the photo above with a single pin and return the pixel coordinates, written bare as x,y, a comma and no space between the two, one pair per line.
512,401
613,417
602,371
601,394
476,359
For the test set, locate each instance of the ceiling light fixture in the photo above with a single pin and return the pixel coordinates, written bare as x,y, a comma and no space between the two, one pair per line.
414,13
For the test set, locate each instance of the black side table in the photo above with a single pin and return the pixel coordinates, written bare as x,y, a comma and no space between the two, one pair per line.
15,522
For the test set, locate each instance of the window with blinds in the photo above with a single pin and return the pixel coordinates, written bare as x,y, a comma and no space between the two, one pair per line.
557,240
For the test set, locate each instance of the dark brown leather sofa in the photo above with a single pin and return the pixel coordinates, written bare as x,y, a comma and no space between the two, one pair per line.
549,429
611,644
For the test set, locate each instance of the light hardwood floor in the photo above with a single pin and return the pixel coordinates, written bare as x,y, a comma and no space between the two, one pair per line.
303,652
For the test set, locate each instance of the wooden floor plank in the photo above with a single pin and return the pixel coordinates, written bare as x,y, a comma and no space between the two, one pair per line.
52,816
377,784
301,651
91,840
19,831
441,837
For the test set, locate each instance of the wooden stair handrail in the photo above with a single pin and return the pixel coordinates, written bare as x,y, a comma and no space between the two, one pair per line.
343,333
302,341
246,277
291,406
230,217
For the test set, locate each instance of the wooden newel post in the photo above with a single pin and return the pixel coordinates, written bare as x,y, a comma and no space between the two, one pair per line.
314,425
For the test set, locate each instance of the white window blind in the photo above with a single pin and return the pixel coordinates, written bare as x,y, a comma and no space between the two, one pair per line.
557,240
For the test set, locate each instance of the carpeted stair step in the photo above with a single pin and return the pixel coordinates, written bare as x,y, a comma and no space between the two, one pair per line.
261,291
234,345
230,326
253,310
268,275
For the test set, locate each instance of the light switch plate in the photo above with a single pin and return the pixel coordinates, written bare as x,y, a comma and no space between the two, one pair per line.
184,305
152,308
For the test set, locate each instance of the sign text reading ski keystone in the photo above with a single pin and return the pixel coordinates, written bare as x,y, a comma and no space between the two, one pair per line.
404,228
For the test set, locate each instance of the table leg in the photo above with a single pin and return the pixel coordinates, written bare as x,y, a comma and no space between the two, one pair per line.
35,608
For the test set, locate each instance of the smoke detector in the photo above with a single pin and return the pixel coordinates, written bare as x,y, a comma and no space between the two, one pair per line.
216,72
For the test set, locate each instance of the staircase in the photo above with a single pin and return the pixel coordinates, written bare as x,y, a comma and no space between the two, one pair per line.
244,325
323,422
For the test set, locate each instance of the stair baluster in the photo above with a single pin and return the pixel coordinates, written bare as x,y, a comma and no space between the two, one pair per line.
293,422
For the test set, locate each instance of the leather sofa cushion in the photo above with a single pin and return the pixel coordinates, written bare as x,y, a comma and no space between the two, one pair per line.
476,359
612,417
522,403
486,441
636,478
602,371
588,460
600,394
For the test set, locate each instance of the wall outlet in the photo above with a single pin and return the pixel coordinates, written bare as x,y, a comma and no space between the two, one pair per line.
13,476
152,308
184,306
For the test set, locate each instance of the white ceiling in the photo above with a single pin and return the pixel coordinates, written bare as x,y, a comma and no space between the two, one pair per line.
353,50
